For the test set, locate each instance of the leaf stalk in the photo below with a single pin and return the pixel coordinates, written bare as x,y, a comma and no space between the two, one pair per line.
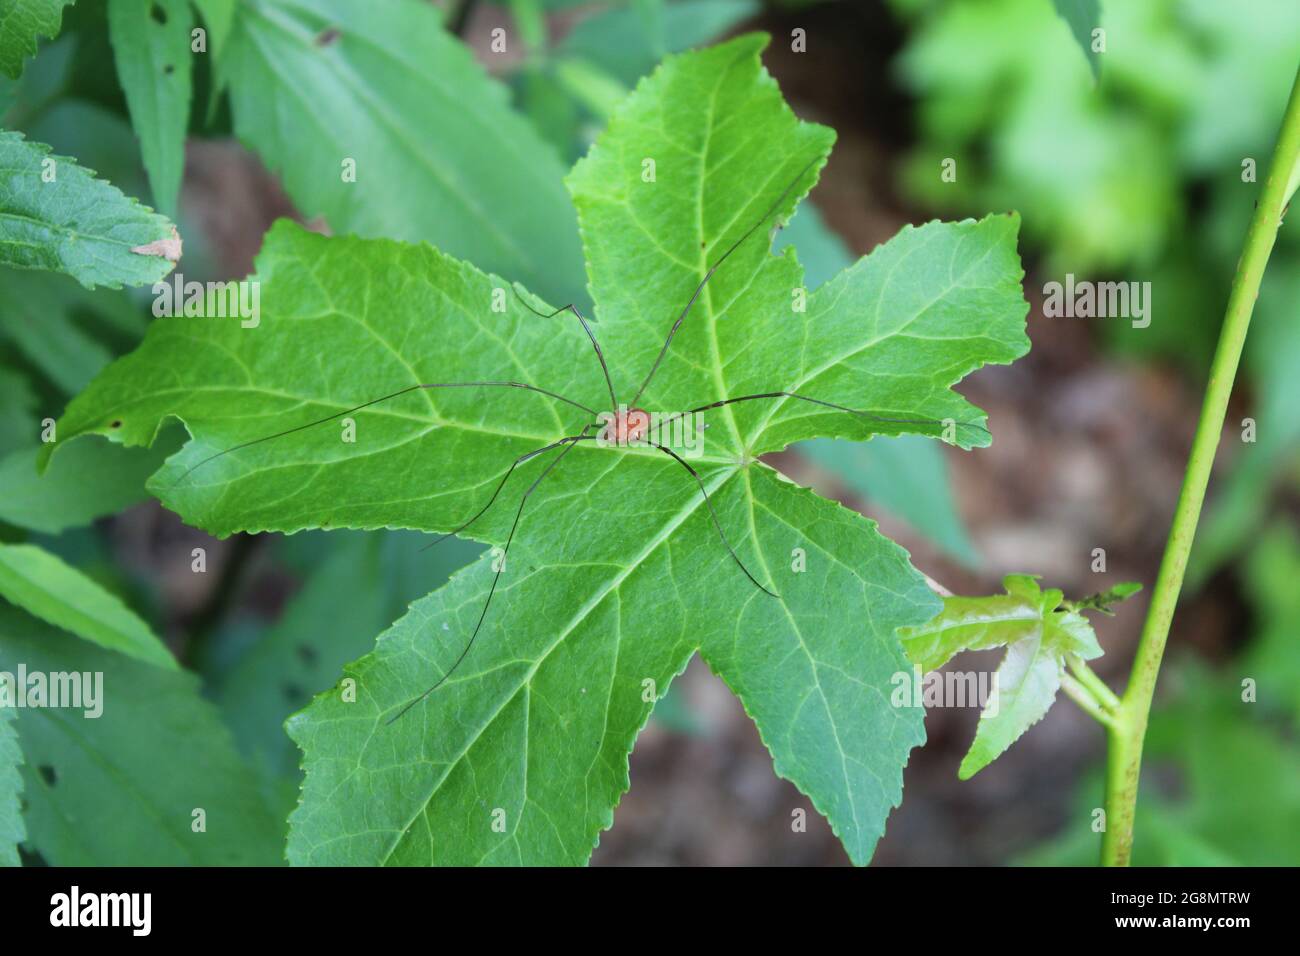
1087,702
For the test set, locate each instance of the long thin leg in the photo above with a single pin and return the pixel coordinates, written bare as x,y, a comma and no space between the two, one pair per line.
818,401
716,523
600,356
570,443
506,477
708,275
376,401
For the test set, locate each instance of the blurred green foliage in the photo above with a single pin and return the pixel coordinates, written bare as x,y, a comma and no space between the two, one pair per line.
1139,175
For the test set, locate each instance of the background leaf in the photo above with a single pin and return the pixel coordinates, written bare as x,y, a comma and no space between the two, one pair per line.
77,224
63,330
56,592
62,498
627,41
439,154
1082,17
219,19
121,789
22,23
19,426
12,831
151,45
361,585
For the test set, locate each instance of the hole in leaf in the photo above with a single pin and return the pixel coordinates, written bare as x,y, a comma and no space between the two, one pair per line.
115,423
326,37
47,774
168,70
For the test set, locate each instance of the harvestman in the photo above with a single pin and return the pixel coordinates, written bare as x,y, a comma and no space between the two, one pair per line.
624,425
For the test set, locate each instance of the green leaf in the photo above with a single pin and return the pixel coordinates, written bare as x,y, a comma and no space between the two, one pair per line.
889,342
626,41
616,576
908,477
18,426
58,593
1038,634
122,788
364,582
77,224
219,18
62,498
1082,17
539,726
591,86
12,831
439,154
1273,659
22,23
1104,601
62,329
151,45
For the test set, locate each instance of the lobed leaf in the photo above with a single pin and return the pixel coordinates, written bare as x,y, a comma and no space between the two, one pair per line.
616,575
906,476
878,338
1039,631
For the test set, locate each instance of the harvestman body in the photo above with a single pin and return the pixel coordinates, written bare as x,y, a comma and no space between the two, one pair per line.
623,425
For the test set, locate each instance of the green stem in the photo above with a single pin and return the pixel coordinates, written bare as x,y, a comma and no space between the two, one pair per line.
1095,685
1087,703
1129,729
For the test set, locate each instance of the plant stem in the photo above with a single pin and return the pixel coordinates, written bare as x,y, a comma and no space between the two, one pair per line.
1129,729
1087,703
1095,685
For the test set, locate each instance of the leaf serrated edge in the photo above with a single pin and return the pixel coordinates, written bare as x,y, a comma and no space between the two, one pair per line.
28,44
45,151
